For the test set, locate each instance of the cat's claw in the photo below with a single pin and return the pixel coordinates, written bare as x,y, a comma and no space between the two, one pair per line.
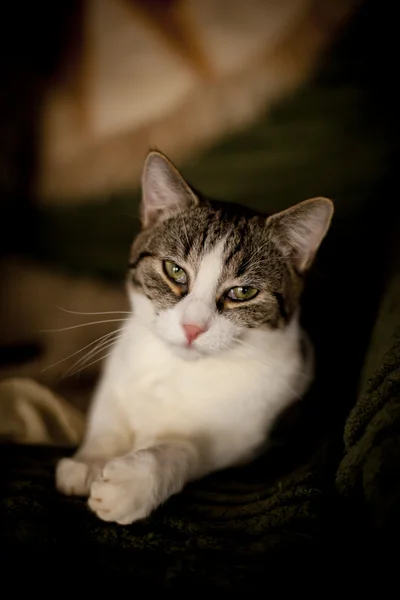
74,478
125,491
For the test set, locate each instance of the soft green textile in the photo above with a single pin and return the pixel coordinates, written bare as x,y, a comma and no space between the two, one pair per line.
370,469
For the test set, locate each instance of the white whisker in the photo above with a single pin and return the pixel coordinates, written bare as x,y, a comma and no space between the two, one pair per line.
107,339
78,351
255,254
87,366
83,325
108,312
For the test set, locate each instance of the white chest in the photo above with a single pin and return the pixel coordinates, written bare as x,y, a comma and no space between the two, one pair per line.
229,401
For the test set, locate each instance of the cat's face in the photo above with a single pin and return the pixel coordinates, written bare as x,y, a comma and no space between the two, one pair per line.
203,273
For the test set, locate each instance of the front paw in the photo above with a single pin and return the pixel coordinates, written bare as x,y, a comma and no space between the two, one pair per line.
74,477
126,491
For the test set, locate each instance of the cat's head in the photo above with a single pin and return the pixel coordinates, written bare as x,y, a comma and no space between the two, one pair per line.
203,273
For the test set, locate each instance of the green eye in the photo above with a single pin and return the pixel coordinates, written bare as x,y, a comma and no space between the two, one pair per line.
175,272
242,293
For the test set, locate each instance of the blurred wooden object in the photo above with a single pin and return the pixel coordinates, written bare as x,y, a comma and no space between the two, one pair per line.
173,21
175,74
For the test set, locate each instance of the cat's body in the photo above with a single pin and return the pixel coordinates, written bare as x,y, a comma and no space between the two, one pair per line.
211,355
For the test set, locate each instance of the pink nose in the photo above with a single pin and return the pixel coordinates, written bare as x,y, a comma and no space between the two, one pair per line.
192,332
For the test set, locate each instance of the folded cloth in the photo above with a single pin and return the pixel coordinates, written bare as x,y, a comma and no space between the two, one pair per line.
32,414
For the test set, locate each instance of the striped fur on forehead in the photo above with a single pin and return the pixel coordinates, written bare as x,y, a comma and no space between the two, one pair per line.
249,257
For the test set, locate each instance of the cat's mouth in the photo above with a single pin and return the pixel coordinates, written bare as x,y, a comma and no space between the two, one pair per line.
188,352
195,351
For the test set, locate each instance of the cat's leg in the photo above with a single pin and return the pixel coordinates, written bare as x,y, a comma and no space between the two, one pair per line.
75,475
106,437
132,486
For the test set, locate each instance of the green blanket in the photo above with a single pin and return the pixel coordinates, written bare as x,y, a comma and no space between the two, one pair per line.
324,502
369,471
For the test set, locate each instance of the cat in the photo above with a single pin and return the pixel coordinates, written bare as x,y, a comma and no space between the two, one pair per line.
211,353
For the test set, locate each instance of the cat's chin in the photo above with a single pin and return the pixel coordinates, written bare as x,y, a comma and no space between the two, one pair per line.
187,352
191,353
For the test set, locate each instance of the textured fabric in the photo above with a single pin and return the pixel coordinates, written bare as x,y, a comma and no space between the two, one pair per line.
369,471
223,531
30,413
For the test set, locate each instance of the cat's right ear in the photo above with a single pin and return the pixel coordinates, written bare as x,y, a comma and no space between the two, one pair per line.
164,190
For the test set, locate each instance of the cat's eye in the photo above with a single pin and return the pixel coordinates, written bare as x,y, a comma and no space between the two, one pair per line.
175,272
242,293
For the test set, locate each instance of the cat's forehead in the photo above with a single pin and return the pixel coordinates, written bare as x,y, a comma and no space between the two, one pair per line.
194,233
246,252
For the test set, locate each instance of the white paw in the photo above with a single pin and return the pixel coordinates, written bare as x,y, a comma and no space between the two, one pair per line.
126,491
74,478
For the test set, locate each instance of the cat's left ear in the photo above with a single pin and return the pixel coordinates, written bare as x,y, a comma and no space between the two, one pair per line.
163,189
299,230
